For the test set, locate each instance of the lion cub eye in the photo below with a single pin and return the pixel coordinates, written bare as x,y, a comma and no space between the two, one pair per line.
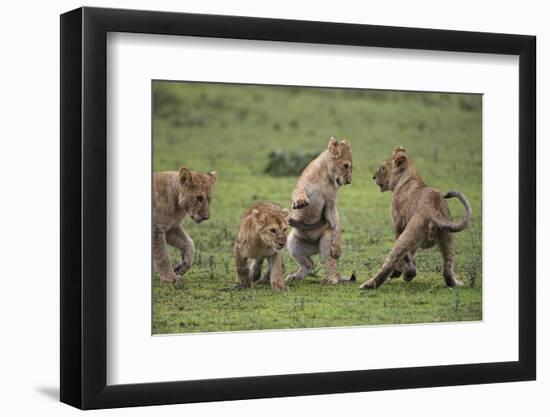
346,165
273,231
200,198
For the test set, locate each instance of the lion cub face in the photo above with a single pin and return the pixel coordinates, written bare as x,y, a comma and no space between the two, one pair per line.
340,162
195,193
272,227
391,170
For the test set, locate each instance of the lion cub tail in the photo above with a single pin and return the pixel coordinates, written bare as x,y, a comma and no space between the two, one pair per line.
450,226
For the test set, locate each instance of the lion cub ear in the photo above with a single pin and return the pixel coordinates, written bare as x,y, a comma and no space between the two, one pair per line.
286,213
399,149
258,216
400,161
333,147
184,175
213,176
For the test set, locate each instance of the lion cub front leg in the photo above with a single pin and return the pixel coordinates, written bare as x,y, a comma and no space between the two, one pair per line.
405,267
161,257
241,268
447,251
276,272
406,243
178,238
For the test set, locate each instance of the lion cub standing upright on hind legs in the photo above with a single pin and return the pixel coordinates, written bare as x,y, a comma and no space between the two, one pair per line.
314,217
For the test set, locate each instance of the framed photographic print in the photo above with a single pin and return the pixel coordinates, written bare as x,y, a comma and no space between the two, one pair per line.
258,207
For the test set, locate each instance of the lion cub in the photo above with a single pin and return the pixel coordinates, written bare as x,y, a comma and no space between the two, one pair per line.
262,234
175,195
421,219
314,217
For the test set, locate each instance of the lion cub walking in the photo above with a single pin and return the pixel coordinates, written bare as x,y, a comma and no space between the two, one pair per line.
175,195
314,217
421,220
262,235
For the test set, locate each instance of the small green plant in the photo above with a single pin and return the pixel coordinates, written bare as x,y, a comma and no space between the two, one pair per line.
211,266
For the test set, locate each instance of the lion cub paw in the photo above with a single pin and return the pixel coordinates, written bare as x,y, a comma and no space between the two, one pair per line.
279,286
330,281
300,201
396,273
168,278
181,268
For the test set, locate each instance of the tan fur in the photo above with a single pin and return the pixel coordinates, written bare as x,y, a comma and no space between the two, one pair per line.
176,195
421,220
262,234
314,212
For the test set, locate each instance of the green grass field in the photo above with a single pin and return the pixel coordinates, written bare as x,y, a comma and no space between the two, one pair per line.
233,128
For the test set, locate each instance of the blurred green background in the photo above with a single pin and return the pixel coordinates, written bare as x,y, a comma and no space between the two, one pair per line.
242,130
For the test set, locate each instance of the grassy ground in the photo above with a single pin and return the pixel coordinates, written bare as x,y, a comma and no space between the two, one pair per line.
233,129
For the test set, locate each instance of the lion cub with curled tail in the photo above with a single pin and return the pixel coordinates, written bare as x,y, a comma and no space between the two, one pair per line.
421,220
314,216
262,235
176,195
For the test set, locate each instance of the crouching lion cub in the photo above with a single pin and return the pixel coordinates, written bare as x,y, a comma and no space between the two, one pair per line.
314,217
175,195
421,220
262,235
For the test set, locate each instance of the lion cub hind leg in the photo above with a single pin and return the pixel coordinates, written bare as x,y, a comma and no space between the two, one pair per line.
327,248
161,258
446,247
301,251
266,277
255,269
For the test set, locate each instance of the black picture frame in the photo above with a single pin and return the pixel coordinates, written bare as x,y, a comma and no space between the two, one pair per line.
84,207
